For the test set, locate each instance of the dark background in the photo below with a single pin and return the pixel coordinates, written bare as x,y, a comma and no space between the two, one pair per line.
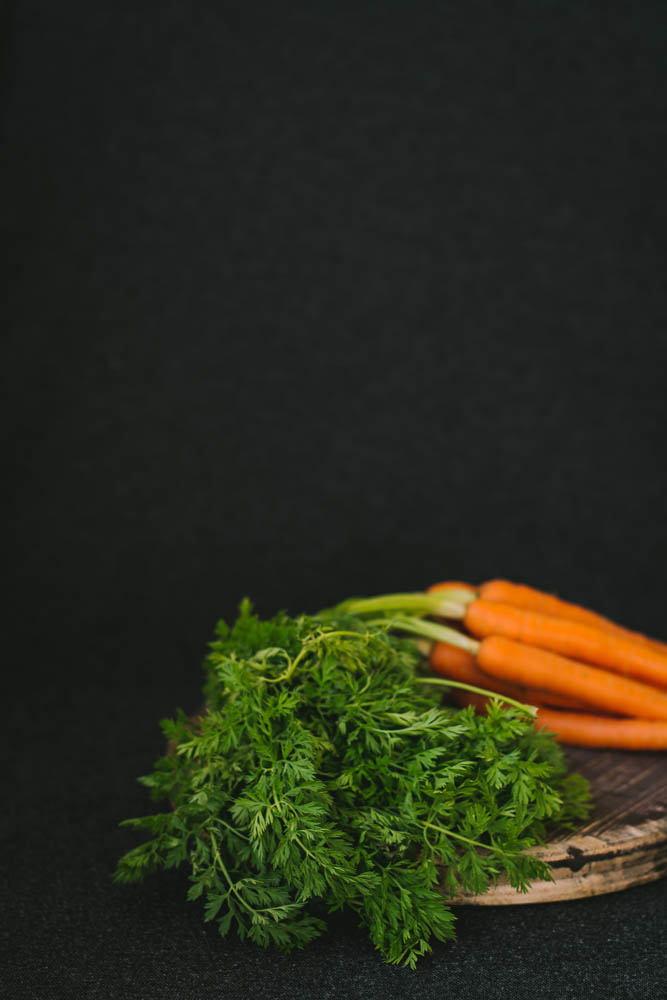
306,301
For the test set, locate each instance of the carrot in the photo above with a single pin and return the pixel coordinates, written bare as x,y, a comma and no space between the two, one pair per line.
451,585
460,665
582,730
597,731
547,604
574,639
448,661
454,590
520,664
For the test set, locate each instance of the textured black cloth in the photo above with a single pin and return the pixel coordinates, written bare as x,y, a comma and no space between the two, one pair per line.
306,301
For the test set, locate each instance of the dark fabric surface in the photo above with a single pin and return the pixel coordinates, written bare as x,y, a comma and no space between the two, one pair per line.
305,302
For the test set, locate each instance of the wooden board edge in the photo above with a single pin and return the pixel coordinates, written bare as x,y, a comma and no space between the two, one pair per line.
585,867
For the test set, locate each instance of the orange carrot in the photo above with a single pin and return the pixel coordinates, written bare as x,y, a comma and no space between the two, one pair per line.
460,665
451,585
597,731
454,590
547,604
521,664
574,639
582,730
448,661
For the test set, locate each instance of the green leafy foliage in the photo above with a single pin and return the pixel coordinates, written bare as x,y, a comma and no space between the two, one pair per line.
322,775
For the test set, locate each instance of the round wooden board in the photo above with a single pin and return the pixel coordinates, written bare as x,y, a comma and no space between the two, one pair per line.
623,842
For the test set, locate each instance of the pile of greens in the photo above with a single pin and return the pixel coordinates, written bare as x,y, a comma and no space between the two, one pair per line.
324,773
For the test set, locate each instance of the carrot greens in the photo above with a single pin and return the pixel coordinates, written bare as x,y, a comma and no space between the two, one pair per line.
323,774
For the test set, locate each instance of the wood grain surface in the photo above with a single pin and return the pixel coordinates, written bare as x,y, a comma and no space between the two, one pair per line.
623,842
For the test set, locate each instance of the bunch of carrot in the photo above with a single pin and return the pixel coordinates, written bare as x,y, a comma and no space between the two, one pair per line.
594,683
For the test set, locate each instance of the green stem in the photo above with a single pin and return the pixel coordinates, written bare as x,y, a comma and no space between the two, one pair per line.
446,603
446,682
232,829
232,887
429,630
459,836
307,646
305,850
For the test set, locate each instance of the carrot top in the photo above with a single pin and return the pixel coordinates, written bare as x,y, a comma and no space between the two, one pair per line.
325,772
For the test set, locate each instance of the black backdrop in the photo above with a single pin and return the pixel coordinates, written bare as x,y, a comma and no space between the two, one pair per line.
308,301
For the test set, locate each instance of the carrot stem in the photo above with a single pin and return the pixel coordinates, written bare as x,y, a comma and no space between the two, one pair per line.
429,630
446,682
447,603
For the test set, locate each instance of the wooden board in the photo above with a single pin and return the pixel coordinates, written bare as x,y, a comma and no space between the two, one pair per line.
623,842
